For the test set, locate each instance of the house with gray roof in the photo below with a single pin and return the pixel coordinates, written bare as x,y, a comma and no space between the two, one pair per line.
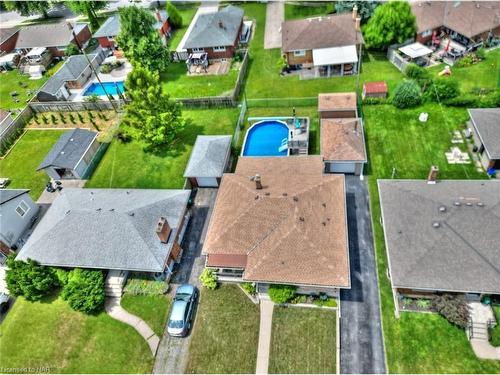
485,126
217,33
441,237
72,155
17,214
209,160
111,229
54,36
73,75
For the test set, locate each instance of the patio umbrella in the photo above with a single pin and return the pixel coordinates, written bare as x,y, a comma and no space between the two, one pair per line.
447,45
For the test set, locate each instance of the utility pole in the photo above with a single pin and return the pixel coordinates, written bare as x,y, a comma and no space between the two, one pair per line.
110,98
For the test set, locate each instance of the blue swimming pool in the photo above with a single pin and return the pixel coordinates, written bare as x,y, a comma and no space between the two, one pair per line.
265,139
112,88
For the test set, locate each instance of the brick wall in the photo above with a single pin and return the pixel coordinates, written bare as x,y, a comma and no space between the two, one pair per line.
296,60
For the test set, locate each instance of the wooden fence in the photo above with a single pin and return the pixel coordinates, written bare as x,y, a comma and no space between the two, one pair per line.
11,131
179,56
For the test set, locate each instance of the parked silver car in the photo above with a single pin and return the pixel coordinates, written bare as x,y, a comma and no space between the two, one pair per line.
181,314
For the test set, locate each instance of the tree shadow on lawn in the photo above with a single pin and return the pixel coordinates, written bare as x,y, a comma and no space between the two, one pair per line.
186,137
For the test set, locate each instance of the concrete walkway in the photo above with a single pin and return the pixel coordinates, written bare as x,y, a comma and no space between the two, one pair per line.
275,15
205,7
484,350
266,322
117,312
480,316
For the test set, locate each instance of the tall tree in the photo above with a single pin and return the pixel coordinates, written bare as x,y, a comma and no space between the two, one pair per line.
28,8
365,8
174,17
151,115
89,9
392,22
139,39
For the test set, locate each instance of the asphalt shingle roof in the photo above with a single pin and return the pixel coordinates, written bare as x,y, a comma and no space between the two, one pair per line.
487,124
107,229
69,149
7,33
442,236
216,29
111,27
9,194
208,157
47,35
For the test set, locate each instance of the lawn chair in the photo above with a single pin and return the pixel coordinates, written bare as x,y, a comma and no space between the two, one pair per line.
4,182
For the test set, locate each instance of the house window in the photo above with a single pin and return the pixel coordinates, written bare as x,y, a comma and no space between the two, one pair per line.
198,50
427,33
22,208
220,49
300,52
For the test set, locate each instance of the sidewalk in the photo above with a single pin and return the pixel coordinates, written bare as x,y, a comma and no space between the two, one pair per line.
266,321
117,312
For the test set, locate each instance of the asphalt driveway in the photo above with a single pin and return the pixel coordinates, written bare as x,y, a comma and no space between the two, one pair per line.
172,354
362,350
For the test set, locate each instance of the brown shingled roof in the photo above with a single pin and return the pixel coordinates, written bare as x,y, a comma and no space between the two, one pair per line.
342,139
339,101
292,231
375,87
320,32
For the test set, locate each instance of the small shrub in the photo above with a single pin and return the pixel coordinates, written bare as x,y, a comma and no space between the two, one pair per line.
443,89
250,288
106,68
453,307
413,71
36,118
407,302
123,136
281,293
53,118
423,303
481,53
94,98
374,101
468,60
61,116
463,101
62,276
407,95
92,121
208,279
138,285
299,298
328,302
72,118
84,290
81,118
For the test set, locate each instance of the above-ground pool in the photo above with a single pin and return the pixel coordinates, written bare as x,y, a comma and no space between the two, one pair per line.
111,88
265,139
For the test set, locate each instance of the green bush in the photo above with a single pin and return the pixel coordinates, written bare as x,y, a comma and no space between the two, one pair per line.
464,101
80,117
62,276
174,17
375,101
250,288
84,290
281,293
29,279
328,302
299,298
413,71
141,285
61,116
71,50
123,136
481,53
443,89
423,303
453,307
106,68
208,279
489,100
407,95
53,118
72,118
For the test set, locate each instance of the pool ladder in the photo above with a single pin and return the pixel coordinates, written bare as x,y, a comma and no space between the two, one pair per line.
284,145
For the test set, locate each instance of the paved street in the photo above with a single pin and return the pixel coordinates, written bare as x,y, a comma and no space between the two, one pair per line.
172,353
362,348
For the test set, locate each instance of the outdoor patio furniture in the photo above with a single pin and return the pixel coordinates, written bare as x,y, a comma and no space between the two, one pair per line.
14,93
4,182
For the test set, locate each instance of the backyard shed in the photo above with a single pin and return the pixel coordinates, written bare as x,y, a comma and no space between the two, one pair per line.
337,105
209,160
375,90
72,155
485,126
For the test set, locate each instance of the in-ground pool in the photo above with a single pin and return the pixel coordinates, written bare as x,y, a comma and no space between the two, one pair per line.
111,88
265,138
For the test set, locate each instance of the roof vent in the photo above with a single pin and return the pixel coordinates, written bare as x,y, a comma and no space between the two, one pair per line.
323,204
436,224
295,199
258,181
71,139
131,214
480,204
285,194
442,209
256,197
98,209
267,193
457,203
469,204
62,152
324,223
301,218
111,209
67,212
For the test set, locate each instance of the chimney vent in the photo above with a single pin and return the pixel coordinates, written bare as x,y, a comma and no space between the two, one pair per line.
163,230
358,23
258,183
432,178
354,12
221,25
436,224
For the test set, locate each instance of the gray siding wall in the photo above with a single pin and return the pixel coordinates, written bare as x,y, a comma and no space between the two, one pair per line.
12,225
82,166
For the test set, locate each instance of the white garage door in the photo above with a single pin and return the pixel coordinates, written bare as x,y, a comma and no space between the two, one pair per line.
207,181
342,167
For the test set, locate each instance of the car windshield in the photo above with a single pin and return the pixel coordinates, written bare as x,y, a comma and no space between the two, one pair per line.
182,297
176,324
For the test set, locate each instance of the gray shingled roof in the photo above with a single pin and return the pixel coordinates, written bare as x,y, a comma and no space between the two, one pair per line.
107,229
72,68
111,27
7,33
47,35
208,157
460,254
487,124
69,149
216,29
9,194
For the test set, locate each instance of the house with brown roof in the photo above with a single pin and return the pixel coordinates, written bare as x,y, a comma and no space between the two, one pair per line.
8,39
465,21
341,133
280,221
326,46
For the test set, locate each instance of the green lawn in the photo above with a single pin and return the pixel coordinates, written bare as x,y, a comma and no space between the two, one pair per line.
187,11
416,343
308,9
495,333
152,309
225,333
303,341
9,82
128,165
264,81
49,334
21,163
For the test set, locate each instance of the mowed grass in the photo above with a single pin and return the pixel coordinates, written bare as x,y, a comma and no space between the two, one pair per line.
187,12
308,9
225,333
303,341
152,309
9,83
48,334
416,343
127,165
264,80
495,332
21,163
